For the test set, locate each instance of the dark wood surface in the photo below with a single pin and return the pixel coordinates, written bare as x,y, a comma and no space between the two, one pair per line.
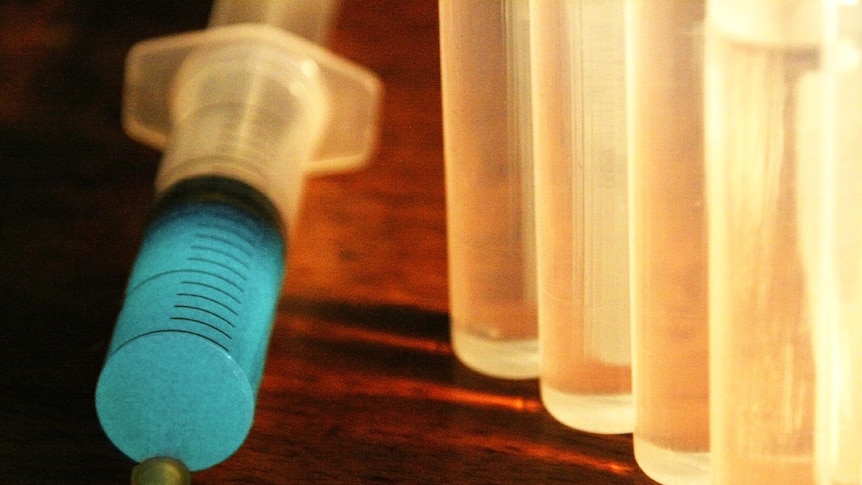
361,385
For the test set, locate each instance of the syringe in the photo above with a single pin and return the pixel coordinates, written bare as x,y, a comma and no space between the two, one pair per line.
243,112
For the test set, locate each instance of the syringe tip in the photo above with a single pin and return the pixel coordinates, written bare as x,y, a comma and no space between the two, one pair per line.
161,471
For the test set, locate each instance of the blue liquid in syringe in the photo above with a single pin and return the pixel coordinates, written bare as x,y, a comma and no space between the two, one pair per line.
186,358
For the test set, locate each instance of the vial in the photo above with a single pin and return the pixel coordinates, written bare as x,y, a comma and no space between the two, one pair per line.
759,95
667,186
579,120
489,186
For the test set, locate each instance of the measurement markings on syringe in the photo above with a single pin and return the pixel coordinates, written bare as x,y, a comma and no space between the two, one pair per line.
233,244
220,265
206,324
190,271
193,307
208,299
212,287
156,332
222,253
224,240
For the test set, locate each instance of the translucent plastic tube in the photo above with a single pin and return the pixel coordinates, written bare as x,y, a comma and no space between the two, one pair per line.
831,235
578,66
667,191
760,127
489,195
311,20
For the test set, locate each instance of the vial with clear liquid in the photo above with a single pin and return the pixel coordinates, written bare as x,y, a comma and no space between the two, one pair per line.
489,185
761,103
579,120
670,321
831,240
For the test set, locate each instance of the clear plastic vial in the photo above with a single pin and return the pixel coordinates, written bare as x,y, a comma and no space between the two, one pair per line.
670,321
489,194
831,235
760,59
578,67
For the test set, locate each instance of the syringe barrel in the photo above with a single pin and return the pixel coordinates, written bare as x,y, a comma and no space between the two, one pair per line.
310,20
186,358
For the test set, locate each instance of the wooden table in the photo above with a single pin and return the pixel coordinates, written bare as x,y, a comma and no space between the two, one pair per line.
361,385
